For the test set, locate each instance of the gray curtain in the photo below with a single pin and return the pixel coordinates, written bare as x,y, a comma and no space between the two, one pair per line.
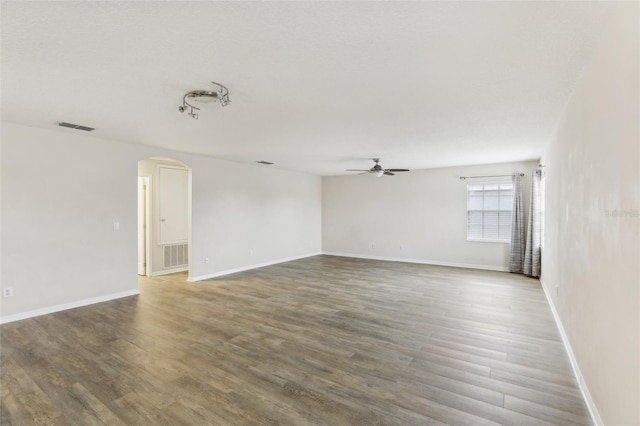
532,250
516,262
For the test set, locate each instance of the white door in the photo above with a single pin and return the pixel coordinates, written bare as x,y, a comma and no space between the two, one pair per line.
143,211
173,201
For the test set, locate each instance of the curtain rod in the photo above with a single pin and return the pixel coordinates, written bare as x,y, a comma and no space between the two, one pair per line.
474,177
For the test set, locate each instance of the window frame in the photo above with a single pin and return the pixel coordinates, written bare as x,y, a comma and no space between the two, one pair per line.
507,181
542,192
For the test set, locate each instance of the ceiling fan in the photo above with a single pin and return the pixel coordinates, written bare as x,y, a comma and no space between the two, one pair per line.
378,170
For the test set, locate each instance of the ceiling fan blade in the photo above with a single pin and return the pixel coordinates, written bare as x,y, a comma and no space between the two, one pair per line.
357,170
387,172
398,170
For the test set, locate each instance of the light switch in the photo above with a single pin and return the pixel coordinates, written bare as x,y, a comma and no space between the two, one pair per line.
116,226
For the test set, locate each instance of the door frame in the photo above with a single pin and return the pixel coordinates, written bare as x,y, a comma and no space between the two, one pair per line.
151,172
146,181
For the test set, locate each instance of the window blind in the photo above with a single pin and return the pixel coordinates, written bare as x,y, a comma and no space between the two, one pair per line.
489,208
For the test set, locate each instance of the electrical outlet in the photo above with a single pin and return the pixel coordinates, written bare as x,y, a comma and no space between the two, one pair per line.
7,292
401,247
373,246
206,260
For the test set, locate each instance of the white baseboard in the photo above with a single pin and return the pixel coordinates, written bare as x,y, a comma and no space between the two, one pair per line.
593,409
168,271
65,306
248,267
421,261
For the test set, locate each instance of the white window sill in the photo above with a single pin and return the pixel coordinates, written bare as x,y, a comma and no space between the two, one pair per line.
488,241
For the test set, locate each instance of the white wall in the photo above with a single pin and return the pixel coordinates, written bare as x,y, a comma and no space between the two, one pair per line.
61,191
247,215
592,222
417,216
60,197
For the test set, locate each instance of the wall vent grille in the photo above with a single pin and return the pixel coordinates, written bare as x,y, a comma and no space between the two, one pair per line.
75,126
176,255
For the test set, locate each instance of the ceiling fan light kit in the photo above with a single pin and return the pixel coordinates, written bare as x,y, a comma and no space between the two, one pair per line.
377,170
220,94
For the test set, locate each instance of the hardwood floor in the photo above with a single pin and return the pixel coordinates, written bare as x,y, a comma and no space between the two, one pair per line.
319,341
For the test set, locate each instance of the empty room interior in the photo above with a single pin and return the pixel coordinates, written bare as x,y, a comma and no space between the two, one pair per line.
320,213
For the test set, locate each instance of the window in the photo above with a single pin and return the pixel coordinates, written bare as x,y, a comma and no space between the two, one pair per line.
489,207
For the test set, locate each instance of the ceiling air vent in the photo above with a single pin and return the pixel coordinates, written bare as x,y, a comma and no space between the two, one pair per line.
75,126
264,162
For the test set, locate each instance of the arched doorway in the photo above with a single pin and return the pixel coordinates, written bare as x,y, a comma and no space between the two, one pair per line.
164,216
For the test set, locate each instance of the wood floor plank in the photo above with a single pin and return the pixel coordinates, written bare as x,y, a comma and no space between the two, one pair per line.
318,341
134,409
542,412
23,401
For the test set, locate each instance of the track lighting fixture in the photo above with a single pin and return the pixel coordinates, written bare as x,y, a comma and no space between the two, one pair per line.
221,94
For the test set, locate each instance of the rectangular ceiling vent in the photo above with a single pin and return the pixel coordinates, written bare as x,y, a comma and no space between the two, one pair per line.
75,126
264,162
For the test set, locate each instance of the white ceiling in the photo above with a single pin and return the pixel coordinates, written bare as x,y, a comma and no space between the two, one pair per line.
315,86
